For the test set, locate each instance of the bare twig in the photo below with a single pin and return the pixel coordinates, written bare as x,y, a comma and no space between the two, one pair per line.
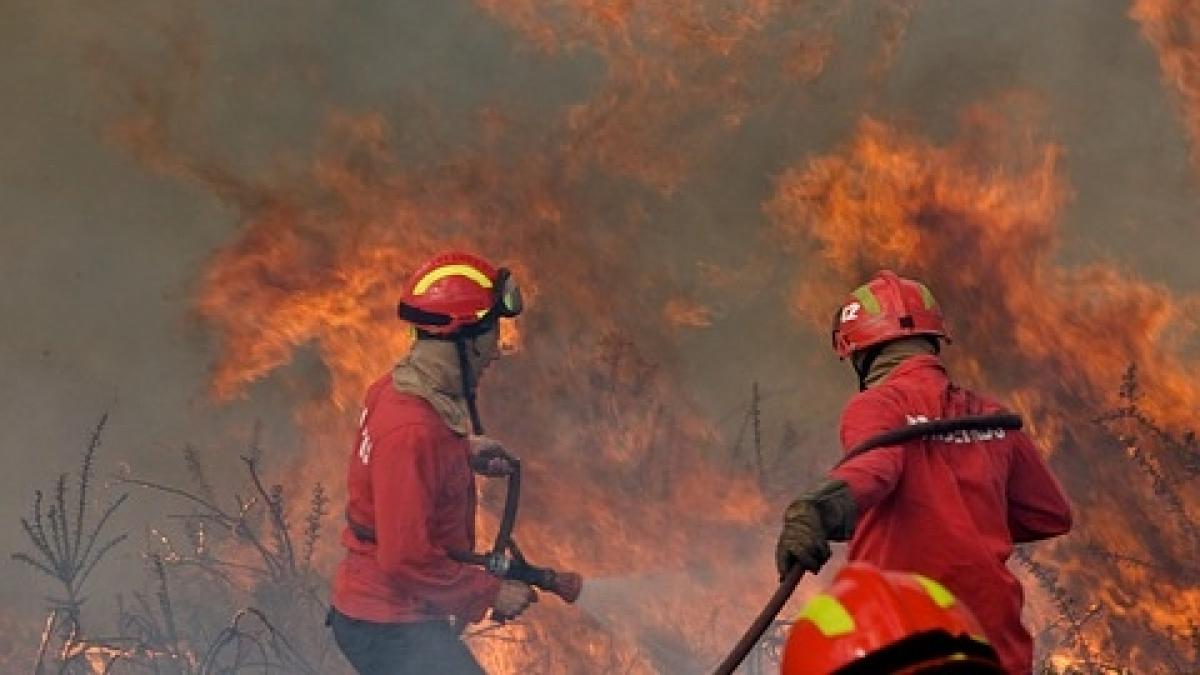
64,554
312,523
274,502
1048,580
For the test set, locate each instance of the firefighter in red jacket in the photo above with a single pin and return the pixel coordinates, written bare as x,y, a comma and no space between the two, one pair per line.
949,508
399,601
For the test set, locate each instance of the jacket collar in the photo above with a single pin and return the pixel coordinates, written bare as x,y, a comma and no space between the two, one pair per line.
930,363
431,371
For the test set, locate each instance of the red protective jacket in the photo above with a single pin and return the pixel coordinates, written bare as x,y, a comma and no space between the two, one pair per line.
410,482
950,509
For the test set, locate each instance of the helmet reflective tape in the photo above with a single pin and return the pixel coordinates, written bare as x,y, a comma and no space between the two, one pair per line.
868,299
440,273
927,296
937,592
829,616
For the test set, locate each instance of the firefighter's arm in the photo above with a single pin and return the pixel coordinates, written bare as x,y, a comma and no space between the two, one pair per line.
830,511
406,475
1037,507
873,475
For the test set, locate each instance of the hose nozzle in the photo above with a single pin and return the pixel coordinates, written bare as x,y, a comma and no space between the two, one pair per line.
566,585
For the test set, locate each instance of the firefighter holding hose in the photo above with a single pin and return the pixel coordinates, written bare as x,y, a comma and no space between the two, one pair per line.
947,507
399,599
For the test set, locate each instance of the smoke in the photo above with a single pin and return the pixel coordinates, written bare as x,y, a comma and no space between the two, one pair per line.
145,140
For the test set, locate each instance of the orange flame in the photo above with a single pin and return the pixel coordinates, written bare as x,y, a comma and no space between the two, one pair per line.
1173,28
620,482
623,479
976,219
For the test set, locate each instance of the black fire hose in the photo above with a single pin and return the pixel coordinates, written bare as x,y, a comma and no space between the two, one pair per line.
787,585
506,561
512,499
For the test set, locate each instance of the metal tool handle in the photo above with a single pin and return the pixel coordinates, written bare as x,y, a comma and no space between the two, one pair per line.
761,622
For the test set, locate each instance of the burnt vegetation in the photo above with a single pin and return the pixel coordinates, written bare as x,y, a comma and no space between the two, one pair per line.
1107,634
232,586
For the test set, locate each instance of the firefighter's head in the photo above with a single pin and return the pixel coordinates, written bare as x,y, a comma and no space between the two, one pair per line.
459,297
871,622
885,309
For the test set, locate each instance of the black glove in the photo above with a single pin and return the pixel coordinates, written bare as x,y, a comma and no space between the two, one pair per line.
811,522
489,458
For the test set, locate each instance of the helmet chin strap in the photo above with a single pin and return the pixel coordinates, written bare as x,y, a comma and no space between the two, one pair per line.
468,383
862,367
466,373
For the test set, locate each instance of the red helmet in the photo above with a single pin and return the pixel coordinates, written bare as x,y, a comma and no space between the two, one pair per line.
886,308
873,622
455,291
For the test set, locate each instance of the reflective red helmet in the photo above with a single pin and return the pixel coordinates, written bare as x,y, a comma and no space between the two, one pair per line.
871,622
886,308
455,291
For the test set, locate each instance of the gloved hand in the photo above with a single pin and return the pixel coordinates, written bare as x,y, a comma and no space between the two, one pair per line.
489,458
512,599
810,522
803,541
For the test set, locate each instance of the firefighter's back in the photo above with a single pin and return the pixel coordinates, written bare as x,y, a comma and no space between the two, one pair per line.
946,516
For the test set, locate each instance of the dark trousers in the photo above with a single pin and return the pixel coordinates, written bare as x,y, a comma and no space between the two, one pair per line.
418,648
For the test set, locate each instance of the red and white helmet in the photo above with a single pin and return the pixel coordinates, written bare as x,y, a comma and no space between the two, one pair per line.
886,308
455,292
871,622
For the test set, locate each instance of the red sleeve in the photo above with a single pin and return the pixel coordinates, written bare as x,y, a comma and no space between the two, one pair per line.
405,474
1037,507
871,475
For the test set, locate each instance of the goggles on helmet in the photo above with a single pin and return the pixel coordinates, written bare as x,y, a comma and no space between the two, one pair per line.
508,301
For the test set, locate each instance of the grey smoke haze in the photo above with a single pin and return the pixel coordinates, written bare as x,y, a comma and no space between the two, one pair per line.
100,255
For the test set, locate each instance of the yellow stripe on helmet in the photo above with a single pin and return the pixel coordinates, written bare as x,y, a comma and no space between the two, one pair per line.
440,273
867,297
927,296
941,597
829,615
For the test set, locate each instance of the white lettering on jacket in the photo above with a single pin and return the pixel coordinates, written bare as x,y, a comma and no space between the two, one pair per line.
962,436
364,439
